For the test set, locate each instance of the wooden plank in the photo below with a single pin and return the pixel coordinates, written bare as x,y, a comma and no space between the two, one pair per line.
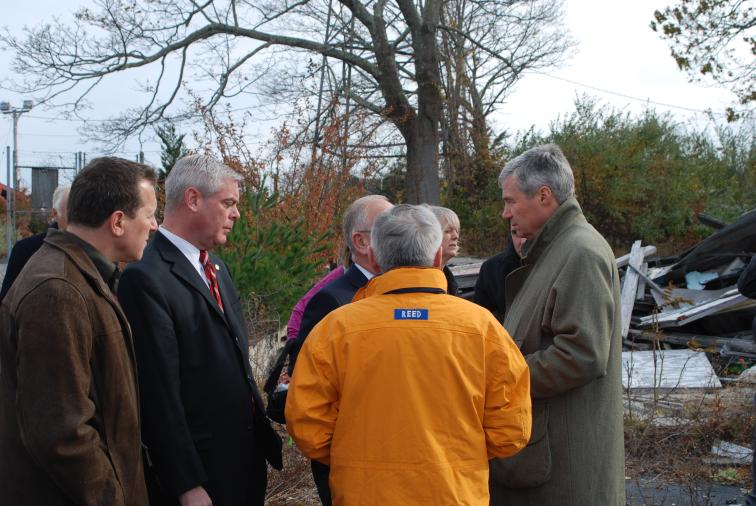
630,285
656,290
731,300
668,369
642,282
698,340
624,259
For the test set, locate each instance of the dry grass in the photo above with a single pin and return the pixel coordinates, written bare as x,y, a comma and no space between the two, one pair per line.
293,486
672,438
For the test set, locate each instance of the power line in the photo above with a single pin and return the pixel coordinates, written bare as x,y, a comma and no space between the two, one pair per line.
71,120
629,97
546,74
90,152
27,134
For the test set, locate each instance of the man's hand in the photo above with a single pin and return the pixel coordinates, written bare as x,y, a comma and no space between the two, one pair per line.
195,497
284,378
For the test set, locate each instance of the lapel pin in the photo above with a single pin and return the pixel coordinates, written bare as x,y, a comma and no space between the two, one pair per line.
217,268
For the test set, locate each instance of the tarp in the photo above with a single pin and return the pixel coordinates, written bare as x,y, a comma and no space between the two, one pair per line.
735,240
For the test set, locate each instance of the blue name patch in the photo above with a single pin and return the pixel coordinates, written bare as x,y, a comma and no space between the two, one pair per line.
410,314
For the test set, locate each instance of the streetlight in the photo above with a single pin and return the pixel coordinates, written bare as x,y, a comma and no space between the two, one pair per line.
6,108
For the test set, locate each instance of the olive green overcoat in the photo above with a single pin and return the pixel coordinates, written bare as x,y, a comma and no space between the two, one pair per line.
564,312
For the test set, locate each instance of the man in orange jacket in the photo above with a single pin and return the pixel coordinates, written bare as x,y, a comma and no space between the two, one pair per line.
408,392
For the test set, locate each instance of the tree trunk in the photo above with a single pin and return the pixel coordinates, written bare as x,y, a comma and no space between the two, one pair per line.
421,182
422,134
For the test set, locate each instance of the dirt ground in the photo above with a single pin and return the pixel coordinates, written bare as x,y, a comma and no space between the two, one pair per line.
669,437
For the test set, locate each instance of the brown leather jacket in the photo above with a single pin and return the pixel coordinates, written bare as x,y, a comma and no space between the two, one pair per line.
69,414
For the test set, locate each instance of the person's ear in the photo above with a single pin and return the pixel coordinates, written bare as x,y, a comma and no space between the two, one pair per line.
116,223
545,195
438,259
374,267
192,197
358,240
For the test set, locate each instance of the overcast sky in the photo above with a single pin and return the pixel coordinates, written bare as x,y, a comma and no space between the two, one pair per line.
619,60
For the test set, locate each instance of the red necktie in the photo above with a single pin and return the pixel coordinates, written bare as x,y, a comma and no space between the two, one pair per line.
212,280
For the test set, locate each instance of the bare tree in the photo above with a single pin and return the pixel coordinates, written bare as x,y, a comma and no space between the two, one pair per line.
390,48
484,52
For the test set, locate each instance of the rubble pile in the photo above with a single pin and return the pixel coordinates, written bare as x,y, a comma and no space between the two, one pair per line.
692,299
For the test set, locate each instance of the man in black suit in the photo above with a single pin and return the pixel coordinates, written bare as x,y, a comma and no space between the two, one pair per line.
204,422
357,225
24,249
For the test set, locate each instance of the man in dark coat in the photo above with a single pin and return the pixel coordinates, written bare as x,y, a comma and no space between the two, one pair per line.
204,423
490,287
23,250
69,412
357,225
563,310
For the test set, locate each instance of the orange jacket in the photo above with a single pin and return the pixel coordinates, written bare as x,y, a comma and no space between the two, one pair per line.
407,396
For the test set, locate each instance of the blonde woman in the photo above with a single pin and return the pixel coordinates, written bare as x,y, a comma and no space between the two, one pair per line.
450,243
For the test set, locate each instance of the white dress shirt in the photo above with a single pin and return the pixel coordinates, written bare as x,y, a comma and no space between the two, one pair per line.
190,251
369,275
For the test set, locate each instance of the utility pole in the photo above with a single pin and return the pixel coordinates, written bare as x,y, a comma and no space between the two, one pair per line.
6,108
8,228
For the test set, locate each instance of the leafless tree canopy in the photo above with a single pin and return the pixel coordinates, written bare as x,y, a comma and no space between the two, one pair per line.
384,56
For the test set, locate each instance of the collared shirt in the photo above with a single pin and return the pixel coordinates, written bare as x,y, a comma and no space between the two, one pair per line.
189,250
369,275
107,269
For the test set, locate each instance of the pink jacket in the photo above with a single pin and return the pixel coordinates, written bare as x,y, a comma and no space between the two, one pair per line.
295,321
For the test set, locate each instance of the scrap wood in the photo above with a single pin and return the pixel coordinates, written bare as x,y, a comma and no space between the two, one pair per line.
630,285
683,297
625,259
667,369
655,289
697,341
730,300
726,453
640,294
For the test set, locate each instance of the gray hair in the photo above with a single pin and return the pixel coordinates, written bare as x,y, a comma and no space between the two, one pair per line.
543,165
406,236
356,217
445,216
60,193
202,172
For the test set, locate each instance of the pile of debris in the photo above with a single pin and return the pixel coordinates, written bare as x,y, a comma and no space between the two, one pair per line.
692,299
688,300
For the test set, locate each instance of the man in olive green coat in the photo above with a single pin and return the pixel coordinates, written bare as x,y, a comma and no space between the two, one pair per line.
563,310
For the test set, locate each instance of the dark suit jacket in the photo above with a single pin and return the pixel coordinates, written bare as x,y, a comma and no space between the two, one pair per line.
489,287
333,295
197,391
21,252
452,287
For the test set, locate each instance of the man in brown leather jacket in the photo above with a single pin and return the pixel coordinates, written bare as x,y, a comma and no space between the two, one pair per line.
69,414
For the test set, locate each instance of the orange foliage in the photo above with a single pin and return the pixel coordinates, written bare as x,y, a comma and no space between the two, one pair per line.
315,184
